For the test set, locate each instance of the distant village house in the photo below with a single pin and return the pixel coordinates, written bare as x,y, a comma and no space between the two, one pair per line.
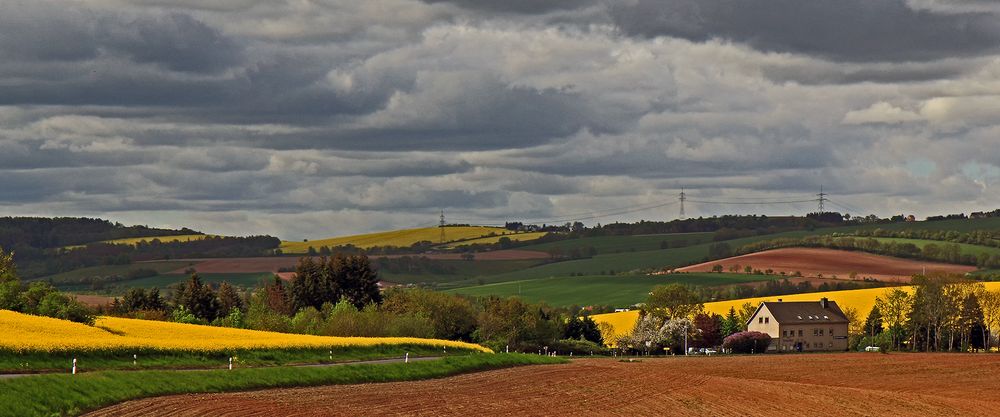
799,326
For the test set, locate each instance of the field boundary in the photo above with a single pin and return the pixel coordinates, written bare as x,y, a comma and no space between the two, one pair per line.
82,393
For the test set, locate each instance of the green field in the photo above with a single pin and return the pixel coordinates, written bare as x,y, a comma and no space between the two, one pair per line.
617,263
246,280
600,290
622,244
920,243
112,270
463,271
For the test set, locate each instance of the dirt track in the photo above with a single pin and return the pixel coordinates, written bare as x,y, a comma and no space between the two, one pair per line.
812,384
828,262
272,264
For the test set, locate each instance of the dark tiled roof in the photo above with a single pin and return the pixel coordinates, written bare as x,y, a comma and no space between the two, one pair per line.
797,312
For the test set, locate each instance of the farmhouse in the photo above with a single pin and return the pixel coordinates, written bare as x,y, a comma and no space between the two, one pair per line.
801,325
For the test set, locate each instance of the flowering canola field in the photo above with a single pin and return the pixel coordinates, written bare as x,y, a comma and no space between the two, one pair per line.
863,300
27,333
407,237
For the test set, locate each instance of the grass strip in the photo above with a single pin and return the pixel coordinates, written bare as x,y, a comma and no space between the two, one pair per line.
122,359
48,395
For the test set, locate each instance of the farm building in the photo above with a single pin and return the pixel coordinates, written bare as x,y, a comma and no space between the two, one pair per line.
801,325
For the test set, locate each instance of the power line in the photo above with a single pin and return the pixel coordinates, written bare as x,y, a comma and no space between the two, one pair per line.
683,197
753,202
822,199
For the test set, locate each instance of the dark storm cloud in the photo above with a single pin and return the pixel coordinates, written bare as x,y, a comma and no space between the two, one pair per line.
850,30
518,6
174,41
309,119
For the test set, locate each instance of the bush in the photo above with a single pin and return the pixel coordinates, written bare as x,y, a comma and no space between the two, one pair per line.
747,342
578,347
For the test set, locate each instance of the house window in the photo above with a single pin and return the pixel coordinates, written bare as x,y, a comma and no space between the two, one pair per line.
831,331
815,332
820,332
800,333
760,320
784,333
767,319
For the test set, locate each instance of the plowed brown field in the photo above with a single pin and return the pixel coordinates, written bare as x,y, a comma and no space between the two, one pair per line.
814,261
273,263
763,385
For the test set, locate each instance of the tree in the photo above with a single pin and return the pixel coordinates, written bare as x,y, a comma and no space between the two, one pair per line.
873,325
717,268
708,328
731,323
453,316
745,312
748,269
971,323
229,299
719,250
989,302
895,307
673,301
747,342
197,298
855,326
357,280
10,284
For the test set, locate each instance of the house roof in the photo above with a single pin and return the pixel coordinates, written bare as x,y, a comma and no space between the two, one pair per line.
800,312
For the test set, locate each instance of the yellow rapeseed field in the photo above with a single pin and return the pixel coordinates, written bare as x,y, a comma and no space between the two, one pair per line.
22,332
399,238
135,240
862,300
165,239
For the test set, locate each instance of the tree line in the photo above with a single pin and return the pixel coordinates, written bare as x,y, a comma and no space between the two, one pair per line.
339,296
944,313
38,298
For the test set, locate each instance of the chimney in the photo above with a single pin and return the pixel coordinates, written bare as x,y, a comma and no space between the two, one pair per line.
823,302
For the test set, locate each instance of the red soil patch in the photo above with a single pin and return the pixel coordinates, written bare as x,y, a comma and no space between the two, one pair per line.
813,261
272,264
761,385
93,300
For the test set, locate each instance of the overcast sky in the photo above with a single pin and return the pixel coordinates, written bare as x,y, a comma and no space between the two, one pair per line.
306,119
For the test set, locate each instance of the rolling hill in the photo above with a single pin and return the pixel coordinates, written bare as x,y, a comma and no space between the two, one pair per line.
407,237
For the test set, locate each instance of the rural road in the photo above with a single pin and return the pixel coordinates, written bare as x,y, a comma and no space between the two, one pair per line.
307,365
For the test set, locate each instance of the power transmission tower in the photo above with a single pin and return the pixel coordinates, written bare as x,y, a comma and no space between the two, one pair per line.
683,197
822,199
441,226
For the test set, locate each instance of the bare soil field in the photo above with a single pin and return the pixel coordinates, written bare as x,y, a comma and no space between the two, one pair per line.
93,300
812,262
841,384
273,263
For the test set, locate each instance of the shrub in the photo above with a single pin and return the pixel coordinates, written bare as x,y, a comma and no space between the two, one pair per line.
747,342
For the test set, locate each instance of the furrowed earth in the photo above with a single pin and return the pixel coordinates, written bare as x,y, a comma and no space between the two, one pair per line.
813,262
837,384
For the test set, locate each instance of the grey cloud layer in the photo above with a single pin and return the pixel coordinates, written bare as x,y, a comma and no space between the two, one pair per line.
304,119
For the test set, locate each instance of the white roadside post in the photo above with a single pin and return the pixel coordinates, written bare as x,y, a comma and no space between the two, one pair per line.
135,358
230,363
406,359
331,354
74,366
508,349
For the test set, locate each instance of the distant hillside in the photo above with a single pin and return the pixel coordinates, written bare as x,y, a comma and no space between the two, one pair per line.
453,235
47,233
